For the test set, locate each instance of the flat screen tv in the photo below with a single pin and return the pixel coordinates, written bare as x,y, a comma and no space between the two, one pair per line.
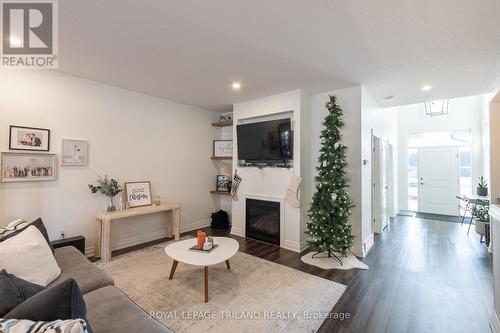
267,141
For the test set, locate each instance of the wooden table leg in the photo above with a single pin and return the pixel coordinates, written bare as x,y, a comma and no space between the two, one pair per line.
176,222
227,264
172,270
98,236
106,239
206,284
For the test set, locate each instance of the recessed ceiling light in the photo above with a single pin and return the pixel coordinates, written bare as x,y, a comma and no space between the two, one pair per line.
236,86
14,41
426,87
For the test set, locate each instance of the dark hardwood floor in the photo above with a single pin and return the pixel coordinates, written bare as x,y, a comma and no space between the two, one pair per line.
424,276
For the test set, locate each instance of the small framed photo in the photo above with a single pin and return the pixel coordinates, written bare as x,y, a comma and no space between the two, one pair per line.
223,183
74,152
223,148
138,193
28,167
29,138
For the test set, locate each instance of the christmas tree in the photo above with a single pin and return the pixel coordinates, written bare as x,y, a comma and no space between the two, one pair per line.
328,228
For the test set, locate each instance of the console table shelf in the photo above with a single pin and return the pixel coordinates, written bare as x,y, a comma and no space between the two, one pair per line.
103,246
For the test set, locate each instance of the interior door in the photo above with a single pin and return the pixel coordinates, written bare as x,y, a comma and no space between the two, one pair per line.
438,183
384,188
379,202
390,181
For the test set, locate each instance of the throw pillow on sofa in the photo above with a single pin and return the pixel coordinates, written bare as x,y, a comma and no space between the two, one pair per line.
62,301
17,226
14,291
28,256
57,326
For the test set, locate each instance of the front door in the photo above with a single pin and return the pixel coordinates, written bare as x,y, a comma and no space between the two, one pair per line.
438,184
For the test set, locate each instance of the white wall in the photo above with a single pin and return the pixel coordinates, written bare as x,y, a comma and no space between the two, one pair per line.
464,113
131,137
384,125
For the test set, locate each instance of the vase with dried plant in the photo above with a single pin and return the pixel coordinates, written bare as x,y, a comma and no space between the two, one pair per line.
109,187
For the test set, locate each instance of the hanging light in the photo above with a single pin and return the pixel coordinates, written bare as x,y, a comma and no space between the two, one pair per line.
436,108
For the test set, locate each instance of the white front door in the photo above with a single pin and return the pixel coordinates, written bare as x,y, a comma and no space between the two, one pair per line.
438,184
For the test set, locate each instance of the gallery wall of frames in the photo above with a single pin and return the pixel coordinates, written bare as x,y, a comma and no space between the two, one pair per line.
29,158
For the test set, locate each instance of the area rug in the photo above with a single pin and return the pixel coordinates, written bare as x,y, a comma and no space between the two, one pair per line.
256,295
322,261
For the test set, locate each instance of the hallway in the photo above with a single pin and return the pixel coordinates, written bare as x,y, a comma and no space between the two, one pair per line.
425,276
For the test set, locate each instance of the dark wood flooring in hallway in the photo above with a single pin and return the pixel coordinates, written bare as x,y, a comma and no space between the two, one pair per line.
424,276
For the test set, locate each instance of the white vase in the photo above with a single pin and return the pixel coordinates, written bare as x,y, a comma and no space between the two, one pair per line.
479,225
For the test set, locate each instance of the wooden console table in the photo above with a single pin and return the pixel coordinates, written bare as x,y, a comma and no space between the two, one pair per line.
103,246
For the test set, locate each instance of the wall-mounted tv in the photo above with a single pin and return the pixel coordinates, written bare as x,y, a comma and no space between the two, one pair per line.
267,141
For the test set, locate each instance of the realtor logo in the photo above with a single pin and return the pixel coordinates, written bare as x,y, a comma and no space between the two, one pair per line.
29,34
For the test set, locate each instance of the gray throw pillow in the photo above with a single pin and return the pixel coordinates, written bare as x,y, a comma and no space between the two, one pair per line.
14,291
62,301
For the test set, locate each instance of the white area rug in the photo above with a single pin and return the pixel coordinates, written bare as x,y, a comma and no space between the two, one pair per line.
322,261
256,295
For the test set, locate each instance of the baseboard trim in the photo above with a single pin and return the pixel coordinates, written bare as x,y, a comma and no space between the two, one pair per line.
494,322
368,244
195,225
304,245
291,245
144,238
237,231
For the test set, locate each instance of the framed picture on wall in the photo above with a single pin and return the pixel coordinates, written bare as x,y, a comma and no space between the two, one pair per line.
27,167
74,152
223,148
138,193
223,183
29,138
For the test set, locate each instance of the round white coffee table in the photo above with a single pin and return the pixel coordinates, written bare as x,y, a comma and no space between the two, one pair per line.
180,252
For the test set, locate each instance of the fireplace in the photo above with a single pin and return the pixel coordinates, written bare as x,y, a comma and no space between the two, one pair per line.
263,220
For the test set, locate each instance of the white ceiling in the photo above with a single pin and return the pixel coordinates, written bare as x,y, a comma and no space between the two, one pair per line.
192,50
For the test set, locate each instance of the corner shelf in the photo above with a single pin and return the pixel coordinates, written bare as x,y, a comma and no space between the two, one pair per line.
220,192
221,158
223,123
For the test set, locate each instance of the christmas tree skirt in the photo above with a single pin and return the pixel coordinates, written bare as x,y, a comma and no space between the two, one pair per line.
322,261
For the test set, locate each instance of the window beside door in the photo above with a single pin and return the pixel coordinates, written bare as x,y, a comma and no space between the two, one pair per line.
413,179
465,165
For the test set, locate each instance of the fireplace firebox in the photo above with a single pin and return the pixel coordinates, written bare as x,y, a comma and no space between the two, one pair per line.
263,220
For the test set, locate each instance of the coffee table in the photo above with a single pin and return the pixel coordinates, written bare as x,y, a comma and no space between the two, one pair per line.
179,252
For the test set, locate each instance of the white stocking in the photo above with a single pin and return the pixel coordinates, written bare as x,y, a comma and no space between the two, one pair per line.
292,194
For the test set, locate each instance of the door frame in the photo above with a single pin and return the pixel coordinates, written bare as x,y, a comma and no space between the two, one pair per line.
381,149
390,174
